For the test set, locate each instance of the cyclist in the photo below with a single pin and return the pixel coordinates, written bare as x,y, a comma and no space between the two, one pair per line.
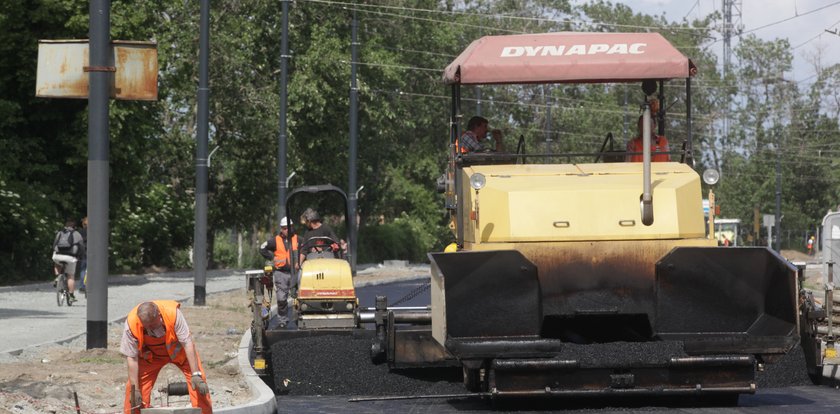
67,245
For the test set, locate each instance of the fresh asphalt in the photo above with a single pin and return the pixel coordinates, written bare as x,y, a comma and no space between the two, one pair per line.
800,399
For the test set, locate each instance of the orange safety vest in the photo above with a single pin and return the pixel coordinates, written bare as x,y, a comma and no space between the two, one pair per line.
281,256
464,150
168,311
658,149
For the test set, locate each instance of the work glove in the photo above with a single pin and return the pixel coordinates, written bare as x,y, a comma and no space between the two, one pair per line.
199,385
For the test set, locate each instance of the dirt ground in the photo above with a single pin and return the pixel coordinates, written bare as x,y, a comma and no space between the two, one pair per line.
43,380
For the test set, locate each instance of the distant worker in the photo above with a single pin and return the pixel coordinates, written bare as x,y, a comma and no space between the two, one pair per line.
279,250
316,235
476,132
155,334
67,247
811,246
658,145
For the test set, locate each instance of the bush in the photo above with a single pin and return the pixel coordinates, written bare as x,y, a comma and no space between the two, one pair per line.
28,230
225,250
407,238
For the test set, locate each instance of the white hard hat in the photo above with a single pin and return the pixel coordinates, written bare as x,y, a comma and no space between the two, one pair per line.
284,222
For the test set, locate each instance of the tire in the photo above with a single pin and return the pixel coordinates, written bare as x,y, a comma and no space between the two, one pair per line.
61,289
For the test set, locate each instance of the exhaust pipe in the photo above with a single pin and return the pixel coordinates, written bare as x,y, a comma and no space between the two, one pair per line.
647,196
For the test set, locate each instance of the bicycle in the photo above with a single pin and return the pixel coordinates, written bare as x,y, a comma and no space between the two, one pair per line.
62,292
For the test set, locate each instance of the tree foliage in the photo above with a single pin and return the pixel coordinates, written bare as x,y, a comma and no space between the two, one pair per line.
403,119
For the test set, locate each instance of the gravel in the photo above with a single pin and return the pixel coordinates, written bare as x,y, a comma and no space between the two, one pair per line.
788,371
341,365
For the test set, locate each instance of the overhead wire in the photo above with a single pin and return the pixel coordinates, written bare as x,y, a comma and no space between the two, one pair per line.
472,13
699,84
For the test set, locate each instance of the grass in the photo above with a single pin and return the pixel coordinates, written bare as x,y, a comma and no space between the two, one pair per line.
102,359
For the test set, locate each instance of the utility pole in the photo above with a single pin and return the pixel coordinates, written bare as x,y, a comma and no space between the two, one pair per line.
731,25
100,74
547,93
352,153
281,147
778,246
201,159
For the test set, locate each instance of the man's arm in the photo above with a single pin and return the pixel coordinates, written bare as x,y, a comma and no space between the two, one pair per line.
189,349
133,371
267,249
182,331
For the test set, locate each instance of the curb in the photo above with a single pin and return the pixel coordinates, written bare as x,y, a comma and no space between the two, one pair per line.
265,402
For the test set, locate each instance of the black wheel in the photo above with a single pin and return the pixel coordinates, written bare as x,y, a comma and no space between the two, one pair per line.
60,289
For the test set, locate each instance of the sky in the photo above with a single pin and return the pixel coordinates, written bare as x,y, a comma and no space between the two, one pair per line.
805,31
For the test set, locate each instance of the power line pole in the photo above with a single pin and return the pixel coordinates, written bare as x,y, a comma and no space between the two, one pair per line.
731,25
352,200
201,158
100,77
281,139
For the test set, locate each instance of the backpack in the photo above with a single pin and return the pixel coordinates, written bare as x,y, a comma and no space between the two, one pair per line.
64,243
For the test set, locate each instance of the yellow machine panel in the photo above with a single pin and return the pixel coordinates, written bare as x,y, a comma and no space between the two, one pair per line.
525,203
325,278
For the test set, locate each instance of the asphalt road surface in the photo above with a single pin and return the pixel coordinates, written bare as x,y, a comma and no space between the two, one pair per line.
799,399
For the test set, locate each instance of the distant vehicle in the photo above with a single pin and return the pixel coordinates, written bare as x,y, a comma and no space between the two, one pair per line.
727,231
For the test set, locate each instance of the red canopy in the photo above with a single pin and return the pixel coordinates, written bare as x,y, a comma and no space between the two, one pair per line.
567,57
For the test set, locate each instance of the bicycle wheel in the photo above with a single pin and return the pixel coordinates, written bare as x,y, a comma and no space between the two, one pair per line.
60,289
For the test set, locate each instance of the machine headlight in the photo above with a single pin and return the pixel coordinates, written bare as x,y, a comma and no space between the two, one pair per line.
304,306
711,176
349,305
477,181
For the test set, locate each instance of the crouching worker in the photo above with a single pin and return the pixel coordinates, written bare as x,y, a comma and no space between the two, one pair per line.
156,333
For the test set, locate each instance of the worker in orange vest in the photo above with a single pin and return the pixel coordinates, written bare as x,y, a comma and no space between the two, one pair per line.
156,333
278,250
658,145
470,140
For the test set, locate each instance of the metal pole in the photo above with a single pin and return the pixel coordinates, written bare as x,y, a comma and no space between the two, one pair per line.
778,225
351,162
547,92
281,144
829,298
689,146
98,174
201,167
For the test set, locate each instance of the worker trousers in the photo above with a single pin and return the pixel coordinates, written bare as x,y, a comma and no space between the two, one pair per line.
282,283
148,373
